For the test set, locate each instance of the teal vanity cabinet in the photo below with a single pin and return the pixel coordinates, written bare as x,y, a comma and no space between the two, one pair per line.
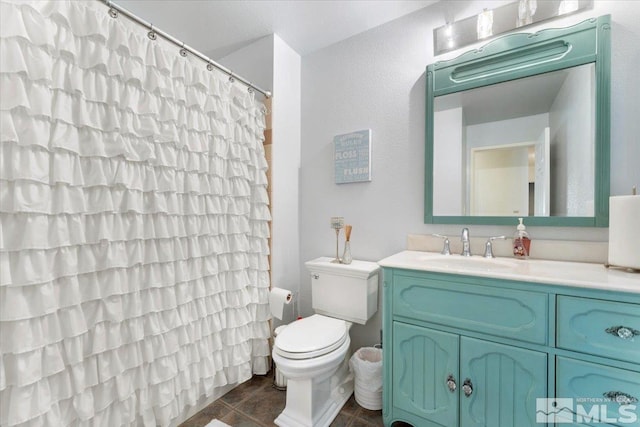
441,372
462,350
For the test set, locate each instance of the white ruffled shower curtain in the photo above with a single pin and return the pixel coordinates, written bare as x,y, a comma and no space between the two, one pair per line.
134,223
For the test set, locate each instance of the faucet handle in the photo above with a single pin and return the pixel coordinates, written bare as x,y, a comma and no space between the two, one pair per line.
488,249
445,249
466,245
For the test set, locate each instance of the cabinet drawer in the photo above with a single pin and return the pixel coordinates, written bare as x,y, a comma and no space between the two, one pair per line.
603,328
602,394
508,313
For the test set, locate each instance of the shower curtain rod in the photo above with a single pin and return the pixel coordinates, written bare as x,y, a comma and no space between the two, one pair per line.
166,36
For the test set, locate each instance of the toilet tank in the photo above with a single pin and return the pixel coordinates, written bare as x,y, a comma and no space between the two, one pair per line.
348,292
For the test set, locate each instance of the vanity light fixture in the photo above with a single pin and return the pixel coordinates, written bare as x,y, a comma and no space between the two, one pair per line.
448,32
485,24
568,6
526,10
491,22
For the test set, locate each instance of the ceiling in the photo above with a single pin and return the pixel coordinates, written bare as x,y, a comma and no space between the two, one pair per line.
219,27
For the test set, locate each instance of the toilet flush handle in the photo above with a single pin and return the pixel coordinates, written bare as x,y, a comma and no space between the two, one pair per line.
315,276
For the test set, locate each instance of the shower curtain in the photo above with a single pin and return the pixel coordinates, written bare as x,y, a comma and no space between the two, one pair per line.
134,222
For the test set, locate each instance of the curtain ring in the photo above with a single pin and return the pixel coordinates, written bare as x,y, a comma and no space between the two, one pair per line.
231,78
250,89
152,34
183,51
112,12
210,66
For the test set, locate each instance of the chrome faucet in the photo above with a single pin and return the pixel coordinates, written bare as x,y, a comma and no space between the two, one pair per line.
488,248
466,251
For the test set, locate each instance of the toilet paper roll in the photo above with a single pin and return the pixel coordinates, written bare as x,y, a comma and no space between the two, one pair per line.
624,231
278,298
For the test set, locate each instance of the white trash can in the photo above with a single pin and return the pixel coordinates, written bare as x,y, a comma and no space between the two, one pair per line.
366,365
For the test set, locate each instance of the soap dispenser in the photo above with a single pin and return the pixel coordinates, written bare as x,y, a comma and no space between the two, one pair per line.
521,241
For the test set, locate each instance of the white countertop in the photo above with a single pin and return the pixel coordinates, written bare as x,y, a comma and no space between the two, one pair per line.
576,274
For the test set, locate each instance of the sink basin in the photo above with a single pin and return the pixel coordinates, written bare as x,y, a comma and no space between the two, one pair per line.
457,262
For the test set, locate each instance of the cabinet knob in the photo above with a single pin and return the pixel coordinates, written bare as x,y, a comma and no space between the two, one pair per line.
451,383
467,387
620,398
624,332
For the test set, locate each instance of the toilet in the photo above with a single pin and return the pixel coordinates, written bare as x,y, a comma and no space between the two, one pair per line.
313,353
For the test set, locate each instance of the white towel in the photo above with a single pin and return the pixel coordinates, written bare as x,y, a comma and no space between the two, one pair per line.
217,423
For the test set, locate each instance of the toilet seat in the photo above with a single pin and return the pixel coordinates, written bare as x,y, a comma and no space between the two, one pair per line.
311,337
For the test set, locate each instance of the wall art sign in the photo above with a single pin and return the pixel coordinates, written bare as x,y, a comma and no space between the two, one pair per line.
352,157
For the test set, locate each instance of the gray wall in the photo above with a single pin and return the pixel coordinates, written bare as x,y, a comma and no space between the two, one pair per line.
376,80
271,63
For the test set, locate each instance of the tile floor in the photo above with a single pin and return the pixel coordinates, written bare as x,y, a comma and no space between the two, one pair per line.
256,403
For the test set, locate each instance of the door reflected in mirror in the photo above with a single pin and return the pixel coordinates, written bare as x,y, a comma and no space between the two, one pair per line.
524,147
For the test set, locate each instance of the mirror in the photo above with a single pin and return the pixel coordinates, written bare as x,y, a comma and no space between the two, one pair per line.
520,128
508,144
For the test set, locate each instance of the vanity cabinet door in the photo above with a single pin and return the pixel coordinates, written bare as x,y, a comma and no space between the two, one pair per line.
499,384
423,361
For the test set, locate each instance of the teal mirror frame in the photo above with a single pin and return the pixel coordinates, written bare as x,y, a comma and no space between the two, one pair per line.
519,55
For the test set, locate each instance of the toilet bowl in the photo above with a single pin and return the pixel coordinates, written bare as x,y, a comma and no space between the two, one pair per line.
313,353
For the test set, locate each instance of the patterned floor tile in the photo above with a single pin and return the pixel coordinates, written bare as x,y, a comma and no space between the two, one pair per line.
256,403
236,419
